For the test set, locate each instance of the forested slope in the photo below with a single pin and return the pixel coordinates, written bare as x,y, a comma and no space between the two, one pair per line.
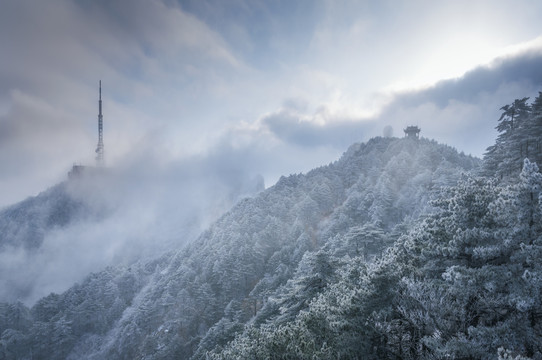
268,259
109,217
402,249
26,223
464,282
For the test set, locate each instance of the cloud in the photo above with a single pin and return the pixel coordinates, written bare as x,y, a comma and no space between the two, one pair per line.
318,129
191,71
267,34
521,68
32,134
159,65
461,111
139,211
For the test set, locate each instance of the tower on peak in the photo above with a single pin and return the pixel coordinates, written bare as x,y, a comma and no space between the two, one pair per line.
100,147
412,132
79,171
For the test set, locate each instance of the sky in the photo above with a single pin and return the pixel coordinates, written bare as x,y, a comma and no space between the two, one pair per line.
250,87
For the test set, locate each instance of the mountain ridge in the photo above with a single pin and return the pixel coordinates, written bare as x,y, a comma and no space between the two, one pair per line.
208,290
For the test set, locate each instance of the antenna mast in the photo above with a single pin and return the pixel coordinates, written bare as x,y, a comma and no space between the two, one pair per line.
100,147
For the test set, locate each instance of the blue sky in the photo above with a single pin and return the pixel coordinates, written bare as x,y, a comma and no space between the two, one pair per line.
259,87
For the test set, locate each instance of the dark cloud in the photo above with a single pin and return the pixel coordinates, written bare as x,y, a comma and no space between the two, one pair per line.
524,68
290,127
461,112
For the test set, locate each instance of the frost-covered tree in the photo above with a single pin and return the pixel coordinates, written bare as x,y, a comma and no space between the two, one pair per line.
533,131
520,131
464,283
473,289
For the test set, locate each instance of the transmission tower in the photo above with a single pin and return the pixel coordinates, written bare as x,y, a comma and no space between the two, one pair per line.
100,147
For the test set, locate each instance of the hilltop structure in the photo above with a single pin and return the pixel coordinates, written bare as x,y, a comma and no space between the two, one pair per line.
79,170
412,132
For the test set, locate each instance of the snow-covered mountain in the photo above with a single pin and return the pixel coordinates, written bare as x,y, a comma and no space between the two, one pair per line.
265,260
105,218
28,234
26,223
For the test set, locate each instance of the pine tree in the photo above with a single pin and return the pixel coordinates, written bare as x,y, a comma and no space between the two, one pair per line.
473,287
513,143
534,131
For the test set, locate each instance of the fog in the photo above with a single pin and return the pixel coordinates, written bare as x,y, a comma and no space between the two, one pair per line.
132,212
202,96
